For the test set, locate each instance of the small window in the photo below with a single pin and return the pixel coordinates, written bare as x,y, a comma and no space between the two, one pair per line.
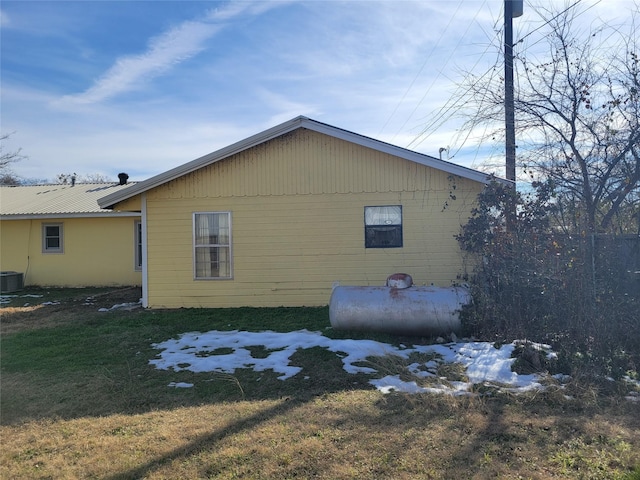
212,244
383,227
52,238
138,244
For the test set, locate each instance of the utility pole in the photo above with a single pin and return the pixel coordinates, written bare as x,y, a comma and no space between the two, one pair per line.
512,8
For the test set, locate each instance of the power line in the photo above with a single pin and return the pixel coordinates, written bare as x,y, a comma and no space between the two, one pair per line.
419,72
444,65
441,116
450,109
554,17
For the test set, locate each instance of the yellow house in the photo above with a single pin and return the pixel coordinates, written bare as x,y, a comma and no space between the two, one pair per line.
281,217
56,235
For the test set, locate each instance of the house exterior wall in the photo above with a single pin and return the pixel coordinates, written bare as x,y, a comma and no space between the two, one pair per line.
297,207
131,205
96,252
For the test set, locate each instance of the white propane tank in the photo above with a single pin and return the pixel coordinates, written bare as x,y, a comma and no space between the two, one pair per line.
419,311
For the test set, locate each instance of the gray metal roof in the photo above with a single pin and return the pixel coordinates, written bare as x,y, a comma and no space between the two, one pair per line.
299,122
57,201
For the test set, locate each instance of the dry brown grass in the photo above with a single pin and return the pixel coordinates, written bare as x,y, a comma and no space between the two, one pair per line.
347,435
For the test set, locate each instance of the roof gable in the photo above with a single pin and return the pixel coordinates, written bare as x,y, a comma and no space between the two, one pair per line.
282,129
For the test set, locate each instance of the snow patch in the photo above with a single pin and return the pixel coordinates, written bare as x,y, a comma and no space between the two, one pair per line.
483,362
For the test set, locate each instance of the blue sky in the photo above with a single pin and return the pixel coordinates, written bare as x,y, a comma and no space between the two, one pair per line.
144,86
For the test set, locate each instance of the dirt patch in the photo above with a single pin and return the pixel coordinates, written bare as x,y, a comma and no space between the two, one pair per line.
54,307
115,297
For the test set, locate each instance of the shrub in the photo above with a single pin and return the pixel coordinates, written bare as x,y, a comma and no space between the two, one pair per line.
536,281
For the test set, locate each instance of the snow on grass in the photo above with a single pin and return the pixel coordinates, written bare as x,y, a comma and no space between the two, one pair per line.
122,306
226,351
6,299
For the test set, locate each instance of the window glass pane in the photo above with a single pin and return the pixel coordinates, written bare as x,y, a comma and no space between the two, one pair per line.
222,229
383,215
212,229
203,223
53,243
224,262
213,262
52,231
381,237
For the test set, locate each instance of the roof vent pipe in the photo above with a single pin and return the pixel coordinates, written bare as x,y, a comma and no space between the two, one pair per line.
123,177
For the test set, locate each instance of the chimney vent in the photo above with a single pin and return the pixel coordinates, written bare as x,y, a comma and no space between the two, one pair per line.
123,177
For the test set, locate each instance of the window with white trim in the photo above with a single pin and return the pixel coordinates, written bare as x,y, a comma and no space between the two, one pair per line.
212,245
52,241
137,230
383,226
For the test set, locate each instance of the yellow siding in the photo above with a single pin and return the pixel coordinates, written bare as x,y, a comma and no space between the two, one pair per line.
97,252
130,205
305,162
297,206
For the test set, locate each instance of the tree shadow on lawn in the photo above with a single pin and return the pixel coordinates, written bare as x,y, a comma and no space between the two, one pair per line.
346,425
207,441
399,435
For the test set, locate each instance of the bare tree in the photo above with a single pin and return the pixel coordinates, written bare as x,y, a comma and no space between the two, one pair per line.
7,177
72,178
577,116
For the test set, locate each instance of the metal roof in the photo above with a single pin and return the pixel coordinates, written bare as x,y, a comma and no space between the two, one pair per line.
57,201
299,122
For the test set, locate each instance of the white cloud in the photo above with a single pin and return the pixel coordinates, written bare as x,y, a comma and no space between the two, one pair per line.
165,51
174,46
4,19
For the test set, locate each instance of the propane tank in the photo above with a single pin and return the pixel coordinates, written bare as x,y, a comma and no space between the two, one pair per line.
412,310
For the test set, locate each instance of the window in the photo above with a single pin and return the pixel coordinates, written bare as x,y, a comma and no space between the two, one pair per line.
138,244
383,227
212,244
52,238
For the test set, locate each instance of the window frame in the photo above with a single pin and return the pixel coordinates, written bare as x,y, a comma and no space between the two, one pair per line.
396,226
196,246
137,245
52,250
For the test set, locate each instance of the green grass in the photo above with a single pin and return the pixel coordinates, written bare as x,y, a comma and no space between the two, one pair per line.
106,356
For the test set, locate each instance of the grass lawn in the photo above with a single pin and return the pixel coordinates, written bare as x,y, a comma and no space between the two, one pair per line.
79,399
